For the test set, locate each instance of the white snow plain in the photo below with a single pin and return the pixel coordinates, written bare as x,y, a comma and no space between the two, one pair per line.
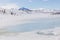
49,34
8,20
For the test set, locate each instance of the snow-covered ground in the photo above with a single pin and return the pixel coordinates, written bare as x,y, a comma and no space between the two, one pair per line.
7,20
49,34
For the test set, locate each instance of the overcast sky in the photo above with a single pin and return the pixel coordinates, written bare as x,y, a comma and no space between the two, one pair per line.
51,4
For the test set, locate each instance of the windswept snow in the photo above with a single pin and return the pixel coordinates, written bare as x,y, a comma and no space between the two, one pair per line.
15,17
9,20
32,35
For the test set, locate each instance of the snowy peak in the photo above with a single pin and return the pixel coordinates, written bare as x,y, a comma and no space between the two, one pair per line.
24,9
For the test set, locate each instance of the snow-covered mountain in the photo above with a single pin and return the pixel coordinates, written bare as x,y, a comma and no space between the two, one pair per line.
24,9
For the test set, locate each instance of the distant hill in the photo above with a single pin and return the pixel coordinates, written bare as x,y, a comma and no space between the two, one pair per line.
24,9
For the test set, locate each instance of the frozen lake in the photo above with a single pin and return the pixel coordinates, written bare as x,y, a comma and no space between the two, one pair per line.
36,24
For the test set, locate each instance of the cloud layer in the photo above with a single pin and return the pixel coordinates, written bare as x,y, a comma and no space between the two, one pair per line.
9,5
